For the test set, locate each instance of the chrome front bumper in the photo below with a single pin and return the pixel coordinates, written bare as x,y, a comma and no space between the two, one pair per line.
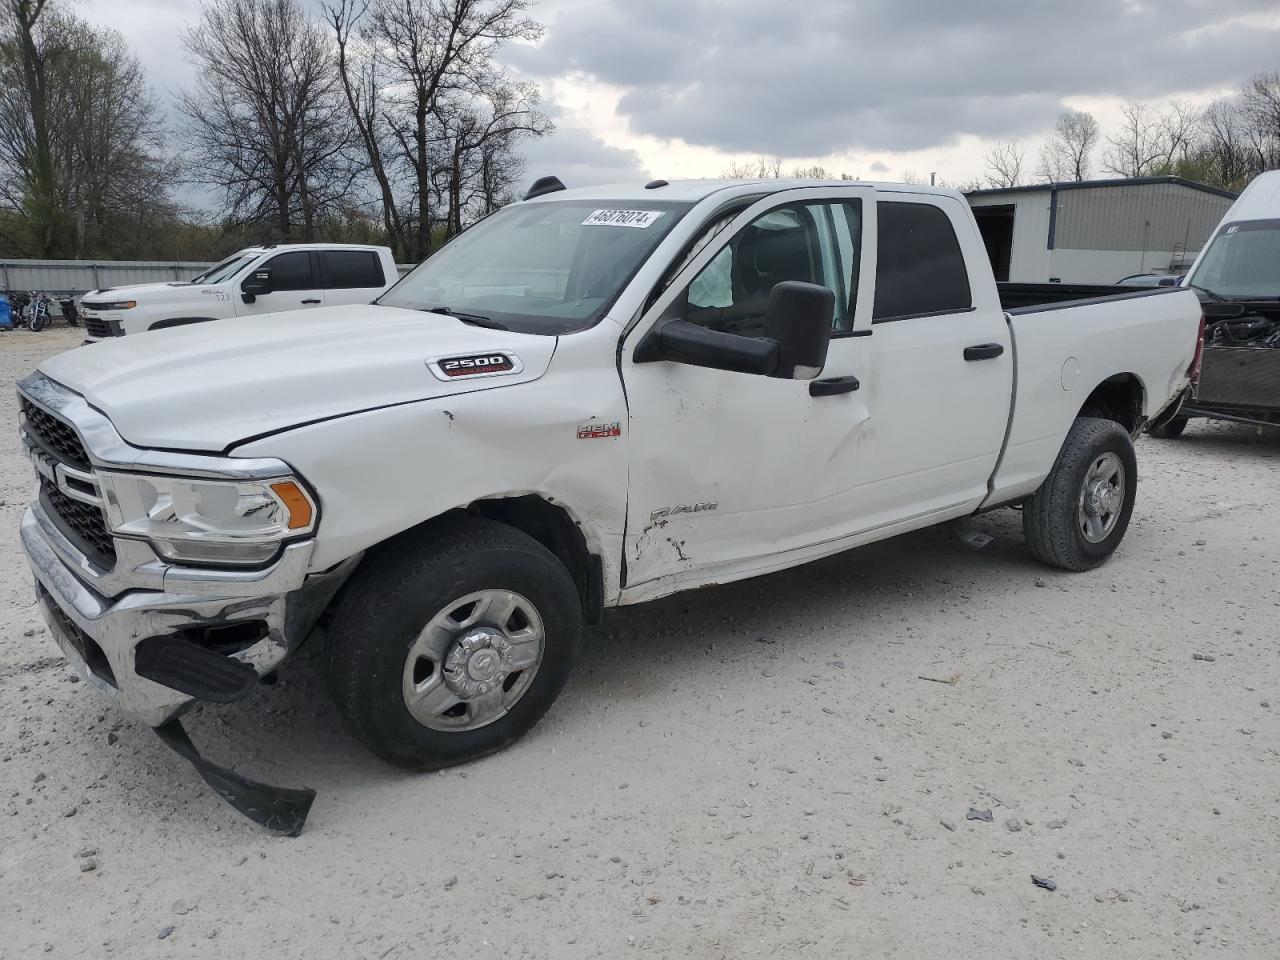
99,634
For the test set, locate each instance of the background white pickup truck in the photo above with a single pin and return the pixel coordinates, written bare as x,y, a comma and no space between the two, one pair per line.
591,398
256,280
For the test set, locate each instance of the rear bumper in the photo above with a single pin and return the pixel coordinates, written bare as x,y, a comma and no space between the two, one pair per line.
100,635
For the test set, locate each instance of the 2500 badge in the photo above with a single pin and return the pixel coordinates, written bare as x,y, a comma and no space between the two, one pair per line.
492,364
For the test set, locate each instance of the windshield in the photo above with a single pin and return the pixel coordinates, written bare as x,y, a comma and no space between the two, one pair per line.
223,271
1242,261
551,267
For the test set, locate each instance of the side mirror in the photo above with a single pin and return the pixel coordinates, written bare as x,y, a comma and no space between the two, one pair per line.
794,347
257,283
798,320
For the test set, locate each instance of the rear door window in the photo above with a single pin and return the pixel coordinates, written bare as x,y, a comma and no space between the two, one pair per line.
352,269
919,265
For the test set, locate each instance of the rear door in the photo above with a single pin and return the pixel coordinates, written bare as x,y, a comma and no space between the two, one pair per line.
351,276
295,284
938,372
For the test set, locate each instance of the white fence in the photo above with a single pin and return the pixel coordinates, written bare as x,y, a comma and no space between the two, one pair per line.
63,277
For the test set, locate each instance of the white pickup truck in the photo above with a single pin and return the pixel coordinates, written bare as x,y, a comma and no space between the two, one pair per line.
591,398
267,279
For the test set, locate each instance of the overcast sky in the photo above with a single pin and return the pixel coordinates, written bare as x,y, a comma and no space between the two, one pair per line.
873,88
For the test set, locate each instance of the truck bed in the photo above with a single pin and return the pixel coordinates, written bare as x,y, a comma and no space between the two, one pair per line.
1033,297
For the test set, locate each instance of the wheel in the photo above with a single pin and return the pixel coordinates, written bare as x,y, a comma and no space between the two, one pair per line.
1169,430
1080,513
39,321
451,644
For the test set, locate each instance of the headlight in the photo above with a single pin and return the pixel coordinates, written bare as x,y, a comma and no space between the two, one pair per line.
208,521
117,305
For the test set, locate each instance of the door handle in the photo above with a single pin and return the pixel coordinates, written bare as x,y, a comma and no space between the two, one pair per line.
983,351
833,385
310,301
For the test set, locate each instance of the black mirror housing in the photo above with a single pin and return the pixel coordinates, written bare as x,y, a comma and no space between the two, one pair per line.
794,347
258,282
798,319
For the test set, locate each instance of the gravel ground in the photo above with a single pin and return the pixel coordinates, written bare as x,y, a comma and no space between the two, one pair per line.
777,767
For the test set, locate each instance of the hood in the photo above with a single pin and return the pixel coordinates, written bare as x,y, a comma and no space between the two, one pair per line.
210,385
133,290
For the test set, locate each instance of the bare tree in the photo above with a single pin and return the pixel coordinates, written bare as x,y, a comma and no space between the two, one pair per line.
1260,107
81,150
422,59
264,123
359,74
1004,164
1140,143
1179,126
29,56
1225,144
1067,154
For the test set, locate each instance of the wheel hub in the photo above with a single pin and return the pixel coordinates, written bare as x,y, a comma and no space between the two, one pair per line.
1101,499
477,662
1102,496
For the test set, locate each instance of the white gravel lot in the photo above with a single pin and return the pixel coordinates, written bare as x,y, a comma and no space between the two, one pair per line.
754,770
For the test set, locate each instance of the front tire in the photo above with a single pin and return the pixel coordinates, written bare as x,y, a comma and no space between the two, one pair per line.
1079,515
450,644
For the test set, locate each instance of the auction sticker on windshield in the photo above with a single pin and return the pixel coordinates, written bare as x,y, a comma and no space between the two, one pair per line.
623,218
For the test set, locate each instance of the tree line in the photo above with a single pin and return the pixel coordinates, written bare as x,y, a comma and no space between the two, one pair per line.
1225,144
381,121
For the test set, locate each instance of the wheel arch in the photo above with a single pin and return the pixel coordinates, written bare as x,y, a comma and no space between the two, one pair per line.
1122,398
551,523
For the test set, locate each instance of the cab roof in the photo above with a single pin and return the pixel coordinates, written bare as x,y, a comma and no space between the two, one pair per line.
692,191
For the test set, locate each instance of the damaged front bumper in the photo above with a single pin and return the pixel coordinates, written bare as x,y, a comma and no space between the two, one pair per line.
252,619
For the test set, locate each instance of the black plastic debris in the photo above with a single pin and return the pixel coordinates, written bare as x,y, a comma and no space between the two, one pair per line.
279,809
983,815
1043,882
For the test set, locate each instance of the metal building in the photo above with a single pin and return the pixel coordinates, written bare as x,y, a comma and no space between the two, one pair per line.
1097,231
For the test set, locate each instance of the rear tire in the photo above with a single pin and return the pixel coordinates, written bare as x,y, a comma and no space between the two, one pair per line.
469,610
1079,515
1170,429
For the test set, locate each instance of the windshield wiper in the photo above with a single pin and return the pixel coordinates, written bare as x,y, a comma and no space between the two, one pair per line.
475,319
1216,296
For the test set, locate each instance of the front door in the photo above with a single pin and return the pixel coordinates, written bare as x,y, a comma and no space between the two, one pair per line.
730,469
294,284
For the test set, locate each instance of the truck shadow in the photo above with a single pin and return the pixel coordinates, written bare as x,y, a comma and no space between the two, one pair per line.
1221,436
292,734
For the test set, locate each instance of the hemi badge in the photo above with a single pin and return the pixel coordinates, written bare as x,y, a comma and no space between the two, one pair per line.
598,431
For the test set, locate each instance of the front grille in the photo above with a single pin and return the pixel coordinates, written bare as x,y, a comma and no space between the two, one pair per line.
97,327
81,523
53,436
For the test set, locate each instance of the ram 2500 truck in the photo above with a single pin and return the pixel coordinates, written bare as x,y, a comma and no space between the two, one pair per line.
267,279
590,398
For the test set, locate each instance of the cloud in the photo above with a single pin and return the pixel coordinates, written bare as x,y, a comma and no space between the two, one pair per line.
579,158
823,76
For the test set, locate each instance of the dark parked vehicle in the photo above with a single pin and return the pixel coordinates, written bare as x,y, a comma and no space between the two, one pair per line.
1237,277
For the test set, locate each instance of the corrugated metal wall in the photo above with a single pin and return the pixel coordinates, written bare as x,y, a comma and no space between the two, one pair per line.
77,276
1154,216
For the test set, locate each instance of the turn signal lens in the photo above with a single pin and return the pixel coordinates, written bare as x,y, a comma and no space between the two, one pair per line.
296,502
